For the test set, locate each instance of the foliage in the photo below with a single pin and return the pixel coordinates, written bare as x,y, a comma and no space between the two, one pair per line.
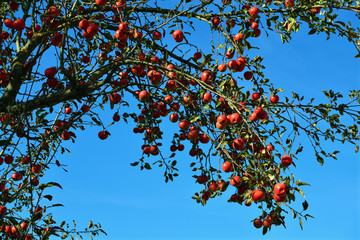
118,53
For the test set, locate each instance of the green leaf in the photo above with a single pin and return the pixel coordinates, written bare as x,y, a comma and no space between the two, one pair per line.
49,197
312,31
49,184
300,191
220,46
305,205
301,224
147,166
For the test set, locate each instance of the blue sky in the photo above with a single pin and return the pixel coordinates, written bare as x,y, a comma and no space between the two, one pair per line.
131,204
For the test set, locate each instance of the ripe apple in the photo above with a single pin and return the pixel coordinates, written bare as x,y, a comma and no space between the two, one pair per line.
254,25
286,160
235,181
66,135
38,210
174,117
19,24
213,186
216,21
230,23
157,35
235,118
206,195
204,138
3,210
202,179
222,67
248,75
197,55
13,6
53,83
193,134
248,204
280,189
25,160
222,119
254,11
83,24
168,99
229,55
233,65
185,124
36,168
92,30
267,223
274,99
255,96
289,3
144,95
278,198
238,144
68,110
101,2
23,226
115,98
181,147
253,117
227,167
316,10
154,150
85,108
257,195
123,27
206,76
9,23
178,35
207,97
239,37
85,59
103,135
8,159
16,176
14,230
257,32
258,223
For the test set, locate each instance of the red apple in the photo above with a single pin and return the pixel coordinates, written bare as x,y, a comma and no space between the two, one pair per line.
257,195
267,222
238,144
235,181
103,135
289,3
254,11
286,160
101,2
239,37
202,179
274,99
280,189
197,55
227,166
178,35
258,223
144,95
19,24
157,35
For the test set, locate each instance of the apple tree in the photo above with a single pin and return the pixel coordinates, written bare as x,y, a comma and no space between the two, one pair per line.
109,55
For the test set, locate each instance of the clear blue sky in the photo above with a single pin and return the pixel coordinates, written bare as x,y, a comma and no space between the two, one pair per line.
132,204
